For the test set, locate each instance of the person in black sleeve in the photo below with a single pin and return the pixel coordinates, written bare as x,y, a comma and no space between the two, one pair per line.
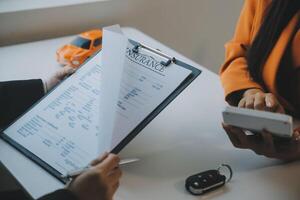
100,182
17,96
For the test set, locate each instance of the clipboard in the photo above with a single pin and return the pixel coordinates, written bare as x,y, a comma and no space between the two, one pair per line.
168,60
195,73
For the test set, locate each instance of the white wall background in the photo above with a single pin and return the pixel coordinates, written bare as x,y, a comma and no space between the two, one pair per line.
196,28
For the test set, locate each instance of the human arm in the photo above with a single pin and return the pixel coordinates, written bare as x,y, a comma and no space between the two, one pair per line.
234,72
62,194
17,96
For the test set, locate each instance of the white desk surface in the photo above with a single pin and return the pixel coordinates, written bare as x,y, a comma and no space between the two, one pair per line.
184,139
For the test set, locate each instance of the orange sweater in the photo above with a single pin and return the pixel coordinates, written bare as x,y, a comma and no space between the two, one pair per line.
234,72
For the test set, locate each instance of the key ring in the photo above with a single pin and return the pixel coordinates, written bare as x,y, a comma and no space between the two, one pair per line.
228,168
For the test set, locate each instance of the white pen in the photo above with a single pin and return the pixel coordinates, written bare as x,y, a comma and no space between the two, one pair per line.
77,172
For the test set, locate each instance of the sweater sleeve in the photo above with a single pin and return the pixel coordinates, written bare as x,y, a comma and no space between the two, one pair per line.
16,97
62,194
234,72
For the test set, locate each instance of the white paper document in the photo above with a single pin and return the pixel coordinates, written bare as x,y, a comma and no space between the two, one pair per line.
97,107
114,46
62,129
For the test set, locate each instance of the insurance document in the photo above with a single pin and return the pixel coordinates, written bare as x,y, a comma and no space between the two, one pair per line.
67,129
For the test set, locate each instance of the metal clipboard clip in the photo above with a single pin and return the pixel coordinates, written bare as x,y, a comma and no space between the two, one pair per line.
170,59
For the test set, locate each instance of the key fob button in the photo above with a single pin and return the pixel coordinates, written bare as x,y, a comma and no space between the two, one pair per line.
205,181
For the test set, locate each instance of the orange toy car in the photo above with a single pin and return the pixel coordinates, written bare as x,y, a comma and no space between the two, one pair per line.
80,49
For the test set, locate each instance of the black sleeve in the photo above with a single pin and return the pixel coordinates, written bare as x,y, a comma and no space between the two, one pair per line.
14,195
16,97
62,194
234,98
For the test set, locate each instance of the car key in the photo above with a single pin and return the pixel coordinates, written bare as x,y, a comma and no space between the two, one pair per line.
209,180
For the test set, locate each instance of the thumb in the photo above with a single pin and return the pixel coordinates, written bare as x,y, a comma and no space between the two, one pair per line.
270,101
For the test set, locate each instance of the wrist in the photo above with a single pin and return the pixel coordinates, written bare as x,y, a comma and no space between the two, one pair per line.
71,189
60,194
45,86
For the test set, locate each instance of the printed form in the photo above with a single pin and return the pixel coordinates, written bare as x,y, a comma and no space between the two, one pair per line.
67,128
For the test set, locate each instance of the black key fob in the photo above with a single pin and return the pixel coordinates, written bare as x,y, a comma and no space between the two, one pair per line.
203,182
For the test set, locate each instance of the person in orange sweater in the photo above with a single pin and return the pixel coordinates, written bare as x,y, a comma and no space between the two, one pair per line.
262,71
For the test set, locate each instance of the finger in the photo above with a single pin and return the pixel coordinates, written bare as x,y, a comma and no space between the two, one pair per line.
259,101
244,140
226,126
297,129
67,70
280,109
250,102
115,175
255,144
268,142
242,103
109,163
233,138
271,102
236,136
99,159
115,187
274,104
